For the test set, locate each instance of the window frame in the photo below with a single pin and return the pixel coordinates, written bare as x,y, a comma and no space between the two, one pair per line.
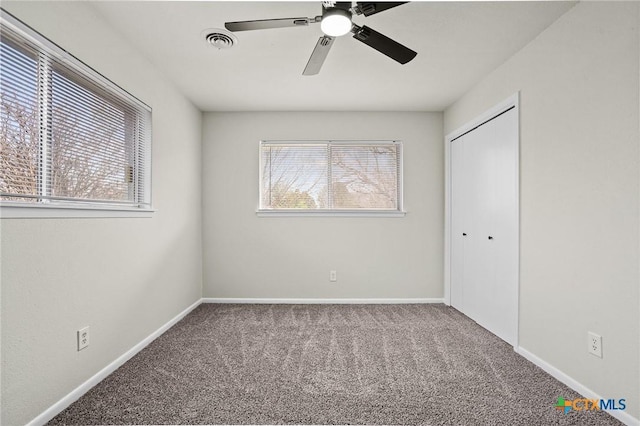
398,212
77,208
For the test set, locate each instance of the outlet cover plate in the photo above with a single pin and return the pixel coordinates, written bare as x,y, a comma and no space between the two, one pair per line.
83,338
595,344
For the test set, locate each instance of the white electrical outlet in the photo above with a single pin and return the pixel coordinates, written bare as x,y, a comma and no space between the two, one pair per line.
595,345
333,277
83,338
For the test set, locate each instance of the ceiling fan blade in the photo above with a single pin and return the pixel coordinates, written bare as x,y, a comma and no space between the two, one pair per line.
265,24
369,8
384,44
318,56
345,5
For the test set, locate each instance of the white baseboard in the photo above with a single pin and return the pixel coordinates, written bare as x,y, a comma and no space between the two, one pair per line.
73,396
275,301
624,417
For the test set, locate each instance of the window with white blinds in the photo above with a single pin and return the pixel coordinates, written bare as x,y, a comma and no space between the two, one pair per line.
68,136
331,176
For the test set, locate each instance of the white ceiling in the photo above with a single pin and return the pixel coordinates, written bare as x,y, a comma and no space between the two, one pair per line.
458,43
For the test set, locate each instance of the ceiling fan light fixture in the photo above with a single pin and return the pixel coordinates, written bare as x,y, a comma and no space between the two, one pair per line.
336,22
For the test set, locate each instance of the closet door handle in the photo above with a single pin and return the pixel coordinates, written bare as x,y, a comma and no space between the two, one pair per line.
490,237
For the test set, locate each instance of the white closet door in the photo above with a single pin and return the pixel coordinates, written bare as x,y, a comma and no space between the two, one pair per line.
484,225
502,316
458,233
479,259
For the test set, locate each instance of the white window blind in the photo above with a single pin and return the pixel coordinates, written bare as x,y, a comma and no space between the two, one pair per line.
331,176
68,136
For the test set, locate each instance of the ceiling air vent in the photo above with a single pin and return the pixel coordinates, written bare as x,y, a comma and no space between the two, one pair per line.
220,39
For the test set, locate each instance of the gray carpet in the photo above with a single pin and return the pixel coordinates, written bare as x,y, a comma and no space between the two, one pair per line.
327,364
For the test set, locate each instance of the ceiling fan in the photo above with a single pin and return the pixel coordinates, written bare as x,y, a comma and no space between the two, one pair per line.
336,20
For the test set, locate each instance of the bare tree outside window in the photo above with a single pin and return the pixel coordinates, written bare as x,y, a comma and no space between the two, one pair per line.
294,176
330,176
18,124
364,177
89,153
62,137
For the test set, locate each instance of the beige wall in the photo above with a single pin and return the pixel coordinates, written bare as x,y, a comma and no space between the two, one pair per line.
579,109
276,257
122,277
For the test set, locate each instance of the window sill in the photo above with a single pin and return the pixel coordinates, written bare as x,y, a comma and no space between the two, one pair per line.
330,213
29,211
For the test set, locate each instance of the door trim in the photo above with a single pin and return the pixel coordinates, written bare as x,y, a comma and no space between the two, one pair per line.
511,102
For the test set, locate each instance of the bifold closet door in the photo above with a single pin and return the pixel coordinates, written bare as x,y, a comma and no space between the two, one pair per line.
484,225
